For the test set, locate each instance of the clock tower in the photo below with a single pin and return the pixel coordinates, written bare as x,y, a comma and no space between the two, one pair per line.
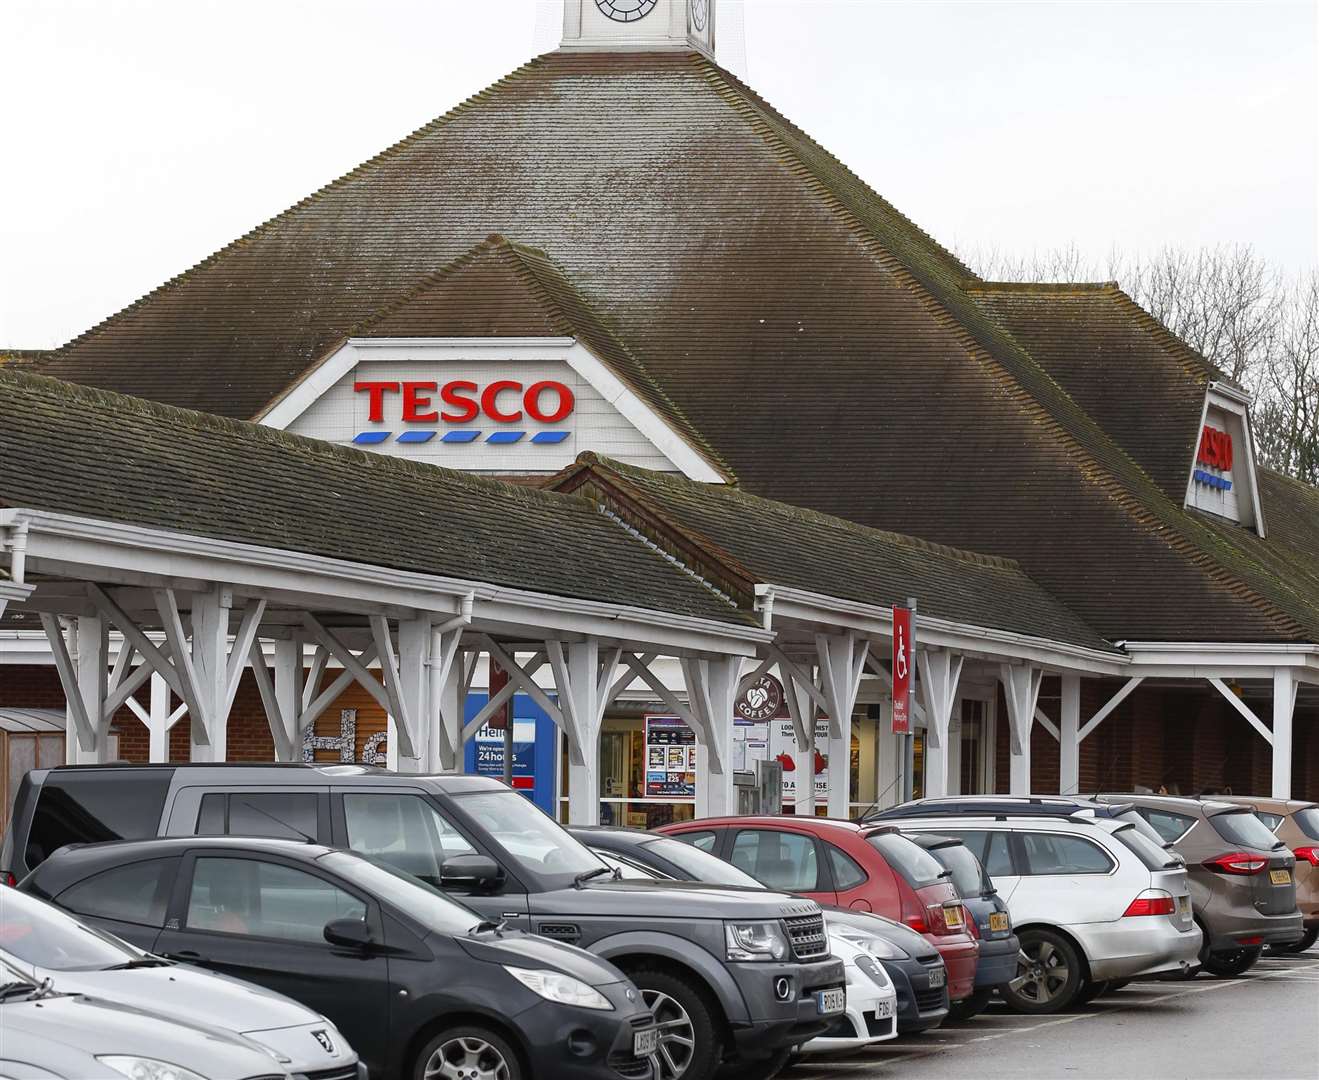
639,25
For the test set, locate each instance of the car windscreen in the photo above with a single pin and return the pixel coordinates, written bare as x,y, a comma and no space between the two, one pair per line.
1307,819
427,905
532,839
968,875
917,866
700,865
1244,828
1150,852
40,934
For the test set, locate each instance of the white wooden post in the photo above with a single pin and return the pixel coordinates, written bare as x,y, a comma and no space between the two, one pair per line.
92,642
711,693
289,681
413,645
158,725
801,707
1021,688
954,749
447,696
842,659
1069,737
940,672
1285,686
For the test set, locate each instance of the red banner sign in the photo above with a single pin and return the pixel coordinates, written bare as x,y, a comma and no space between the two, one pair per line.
903,658
499,719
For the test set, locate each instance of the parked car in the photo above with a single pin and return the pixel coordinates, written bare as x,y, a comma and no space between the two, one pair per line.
1093,901
872,869
913,966
70,1037
737,979
989,920
1243,884
46,943
1296,824
421,984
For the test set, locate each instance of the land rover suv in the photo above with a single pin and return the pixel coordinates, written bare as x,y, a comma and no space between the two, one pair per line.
735,979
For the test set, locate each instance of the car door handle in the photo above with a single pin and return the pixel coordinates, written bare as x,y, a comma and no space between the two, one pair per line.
187,956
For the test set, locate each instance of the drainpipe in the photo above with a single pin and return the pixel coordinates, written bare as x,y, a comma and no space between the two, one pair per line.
463,618
18,551
766,606
435,687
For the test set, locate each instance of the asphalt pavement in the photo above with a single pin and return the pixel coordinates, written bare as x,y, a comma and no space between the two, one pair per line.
1264,1025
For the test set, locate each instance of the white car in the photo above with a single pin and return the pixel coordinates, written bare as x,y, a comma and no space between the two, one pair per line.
1093,900
44,943
872,1002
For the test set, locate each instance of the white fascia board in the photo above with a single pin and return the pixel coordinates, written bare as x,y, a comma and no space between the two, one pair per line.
135,554
834,613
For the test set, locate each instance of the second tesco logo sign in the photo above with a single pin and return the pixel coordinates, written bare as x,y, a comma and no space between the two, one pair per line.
461,401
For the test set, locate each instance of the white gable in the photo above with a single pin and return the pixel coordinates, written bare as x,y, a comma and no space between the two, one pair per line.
1222,477
482,405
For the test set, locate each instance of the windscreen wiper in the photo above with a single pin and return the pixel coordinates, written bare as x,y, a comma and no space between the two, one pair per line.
588,875
11,990
141,962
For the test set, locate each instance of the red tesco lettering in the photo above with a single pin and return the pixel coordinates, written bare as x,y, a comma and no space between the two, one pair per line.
546,402
1215,449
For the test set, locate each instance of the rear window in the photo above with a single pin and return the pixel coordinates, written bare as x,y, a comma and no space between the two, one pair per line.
916,865
1244,828
1154,855
94,806
1169,825
1308,821
968,875
1271,821
1131,817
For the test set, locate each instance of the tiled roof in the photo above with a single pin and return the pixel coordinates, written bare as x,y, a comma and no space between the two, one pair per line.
73,450
832,354
753,540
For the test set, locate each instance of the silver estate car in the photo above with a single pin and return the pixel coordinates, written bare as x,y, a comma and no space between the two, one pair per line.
44,943
1093,900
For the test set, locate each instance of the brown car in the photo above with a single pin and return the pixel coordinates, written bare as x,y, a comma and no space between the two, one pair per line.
1242,877
1296,823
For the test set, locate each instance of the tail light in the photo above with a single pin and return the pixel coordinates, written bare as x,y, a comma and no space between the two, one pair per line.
971,926
917,923
1309,854
1151,902
10,880
1237,862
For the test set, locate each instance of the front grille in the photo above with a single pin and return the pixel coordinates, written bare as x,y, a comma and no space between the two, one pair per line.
339,1072
807,936
631,1068
876,1028
929,1000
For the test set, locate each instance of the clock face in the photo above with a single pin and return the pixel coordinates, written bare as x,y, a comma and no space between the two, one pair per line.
700,10
626,10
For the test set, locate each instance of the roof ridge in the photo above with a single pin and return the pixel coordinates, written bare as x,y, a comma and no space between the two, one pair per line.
354,173
1041,286
1157,513
978,558
97,397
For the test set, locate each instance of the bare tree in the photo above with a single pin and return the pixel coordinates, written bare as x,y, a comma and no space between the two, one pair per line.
1232,307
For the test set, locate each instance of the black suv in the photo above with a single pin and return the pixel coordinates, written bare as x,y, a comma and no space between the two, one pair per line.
733,978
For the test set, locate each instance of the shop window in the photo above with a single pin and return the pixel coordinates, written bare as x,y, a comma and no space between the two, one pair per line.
778,860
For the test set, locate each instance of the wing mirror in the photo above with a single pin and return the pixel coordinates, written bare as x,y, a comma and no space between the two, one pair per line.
349,933
479,873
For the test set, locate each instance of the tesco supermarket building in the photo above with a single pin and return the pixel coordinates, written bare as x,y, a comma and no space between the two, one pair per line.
619,275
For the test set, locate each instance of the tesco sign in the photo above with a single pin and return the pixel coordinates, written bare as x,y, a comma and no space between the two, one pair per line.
464,402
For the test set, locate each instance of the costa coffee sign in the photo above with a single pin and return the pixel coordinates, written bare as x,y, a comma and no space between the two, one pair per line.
762,700
462,410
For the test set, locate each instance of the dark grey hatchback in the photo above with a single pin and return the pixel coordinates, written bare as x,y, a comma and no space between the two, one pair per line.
419,983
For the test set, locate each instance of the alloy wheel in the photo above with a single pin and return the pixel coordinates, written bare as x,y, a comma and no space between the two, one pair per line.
1041,977
677,1036
466,1058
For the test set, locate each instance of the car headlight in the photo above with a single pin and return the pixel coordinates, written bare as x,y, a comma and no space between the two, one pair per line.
872,969
140,1068
556,986
874,945
756,941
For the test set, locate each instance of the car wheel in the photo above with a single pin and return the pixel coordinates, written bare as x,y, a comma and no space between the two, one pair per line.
1048,974
1091,990
1311,936
1231,962
467,1053
969,1007
757,1069
689,1045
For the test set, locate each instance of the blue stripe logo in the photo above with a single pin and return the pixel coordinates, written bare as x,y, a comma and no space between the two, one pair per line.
494,438
1210,480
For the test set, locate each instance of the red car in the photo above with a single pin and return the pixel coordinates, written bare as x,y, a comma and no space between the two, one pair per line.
862,867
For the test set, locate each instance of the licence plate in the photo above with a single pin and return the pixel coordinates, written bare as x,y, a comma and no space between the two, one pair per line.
937,978
645,1043
998,920
884,1010
1280,877
831,1001
952,916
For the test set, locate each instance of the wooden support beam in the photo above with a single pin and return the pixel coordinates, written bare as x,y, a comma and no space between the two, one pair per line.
1112,703
1240,707
68,674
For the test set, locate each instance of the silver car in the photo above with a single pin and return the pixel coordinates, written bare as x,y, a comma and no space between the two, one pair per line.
1093,900
49,1036
44,943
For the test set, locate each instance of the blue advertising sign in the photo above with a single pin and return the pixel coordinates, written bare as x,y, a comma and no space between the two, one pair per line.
534,742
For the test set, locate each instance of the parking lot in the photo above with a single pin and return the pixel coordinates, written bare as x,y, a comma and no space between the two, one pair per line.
1147,1029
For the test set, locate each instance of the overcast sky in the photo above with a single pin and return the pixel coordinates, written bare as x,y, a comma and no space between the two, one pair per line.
141,135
